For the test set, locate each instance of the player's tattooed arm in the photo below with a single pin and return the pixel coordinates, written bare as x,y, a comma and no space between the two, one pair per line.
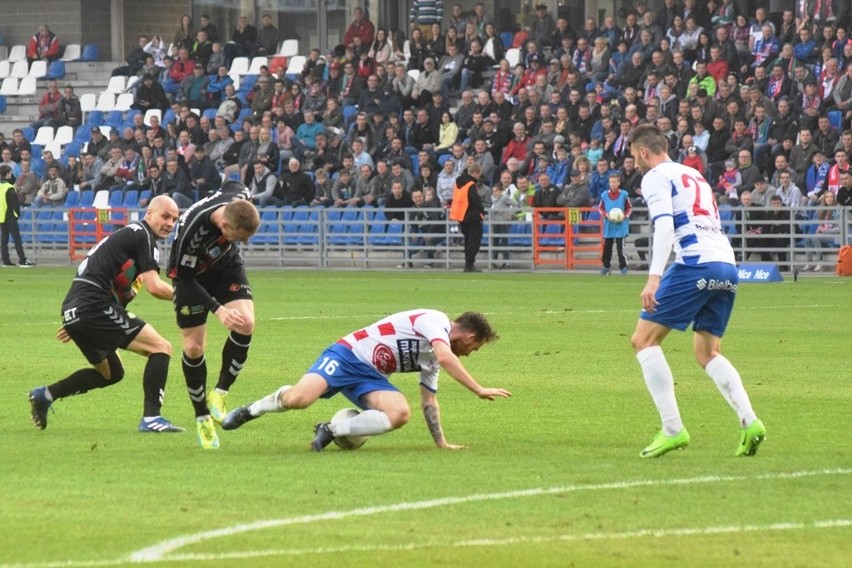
432,414
433,422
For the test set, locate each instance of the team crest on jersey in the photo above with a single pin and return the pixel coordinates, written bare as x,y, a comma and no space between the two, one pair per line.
409,353
383,359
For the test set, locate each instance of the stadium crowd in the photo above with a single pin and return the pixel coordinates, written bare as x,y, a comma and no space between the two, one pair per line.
756,97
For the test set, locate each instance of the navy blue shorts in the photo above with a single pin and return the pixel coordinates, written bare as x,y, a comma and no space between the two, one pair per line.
701,295
348,375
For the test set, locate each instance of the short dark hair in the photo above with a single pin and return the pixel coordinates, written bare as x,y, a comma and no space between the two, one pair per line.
651,137
477,323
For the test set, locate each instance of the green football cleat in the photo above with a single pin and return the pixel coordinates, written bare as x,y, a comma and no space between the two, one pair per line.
751,438
207,437
663,444
217,406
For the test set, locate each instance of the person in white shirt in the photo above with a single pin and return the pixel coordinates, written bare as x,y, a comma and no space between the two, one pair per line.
698,288
360,364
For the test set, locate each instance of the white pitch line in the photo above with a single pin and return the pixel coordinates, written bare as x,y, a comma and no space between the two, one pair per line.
643,533
479,542
158,551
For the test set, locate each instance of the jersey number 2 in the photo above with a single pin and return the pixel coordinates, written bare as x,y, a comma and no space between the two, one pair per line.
701,187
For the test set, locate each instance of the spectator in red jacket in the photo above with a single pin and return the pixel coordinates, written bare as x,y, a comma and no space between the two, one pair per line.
362,27
44,45
517,147
182,66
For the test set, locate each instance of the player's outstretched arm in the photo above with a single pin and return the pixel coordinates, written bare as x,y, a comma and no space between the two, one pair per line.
432,414
453,366
156,286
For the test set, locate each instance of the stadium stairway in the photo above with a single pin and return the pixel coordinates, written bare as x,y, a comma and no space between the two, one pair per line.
85,77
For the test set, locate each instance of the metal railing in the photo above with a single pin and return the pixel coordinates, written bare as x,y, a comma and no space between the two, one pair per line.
370,237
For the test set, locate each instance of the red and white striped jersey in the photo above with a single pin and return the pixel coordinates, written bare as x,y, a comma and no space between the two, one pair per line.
402,343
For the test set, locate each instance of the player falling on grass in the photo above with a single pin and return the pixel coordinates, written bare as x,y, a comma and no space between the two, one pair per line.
209,277
359,365
698,288
94,316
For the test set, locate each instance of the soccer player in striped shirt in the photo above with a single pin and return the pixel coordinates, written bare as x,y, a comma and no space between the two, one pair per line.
698,289
359,367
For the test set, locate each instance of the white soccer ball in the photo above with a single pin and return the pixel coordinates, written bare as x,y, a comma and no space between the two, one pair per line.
616,215
348,442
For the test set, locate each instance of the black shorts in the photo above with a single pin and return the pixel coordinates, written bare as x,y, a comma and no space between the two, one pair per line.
226,285
100,329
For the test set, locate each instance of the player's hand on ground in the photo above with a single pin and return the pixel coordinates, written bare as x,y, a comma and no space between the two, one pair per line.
448,446
62,335
649,294
490,393
231,319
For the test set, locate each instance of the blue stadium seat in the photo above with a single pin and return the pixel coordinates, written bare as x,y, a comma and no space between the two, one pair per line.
210,113
835,117
131,199
86,198
267,233
507,38
2,104
73,148
128,116
116,197
84,134
25,224
376,227
29,133
349,112
443,159
308,229
393,234
37,165
90,52
94,118
56,70
72,198
115,119
291,229
520,234
555,236
168,117
144,195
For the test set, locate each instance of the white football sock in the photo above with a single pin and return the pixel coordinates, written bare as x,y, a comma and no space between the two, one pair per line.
269,403
368,423
729,383
660,383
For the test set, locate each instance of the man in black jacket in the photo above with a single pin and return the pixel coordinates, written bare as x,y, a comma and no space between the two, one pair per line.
468,210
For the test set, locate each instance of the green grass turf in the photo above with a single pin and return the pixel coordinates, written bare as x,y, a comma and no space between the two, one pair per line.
90,488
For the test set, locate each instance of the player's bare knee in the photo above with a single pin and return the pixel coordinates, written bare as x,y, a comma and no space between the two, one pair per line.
398,416
639,342
193,349
162,346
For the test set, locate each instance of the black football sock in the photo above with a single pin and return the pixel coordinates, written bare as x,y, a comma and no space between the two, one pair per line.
234,356
80,382
154,382
195,373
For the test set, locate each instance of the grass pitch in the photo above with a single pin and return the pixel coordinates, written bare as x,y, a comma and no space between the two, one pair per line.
551,477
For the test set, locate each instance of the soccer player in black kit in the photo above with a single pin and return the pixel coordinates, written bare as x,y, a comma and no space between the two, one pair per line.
94,316
209,277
